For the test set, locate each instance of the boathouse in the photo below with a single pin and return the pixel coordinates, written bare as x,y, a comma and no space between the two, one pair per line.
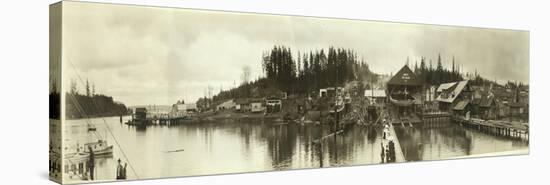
404,92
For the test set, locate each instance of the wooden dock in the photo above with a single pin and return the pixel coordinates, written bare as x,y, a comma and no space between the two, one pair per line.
496,127
399,156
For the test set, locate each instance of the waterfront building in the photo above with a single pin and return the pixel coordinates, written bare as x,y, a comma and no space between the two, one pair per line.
454,96
273,105
226,105
330,91
376,96
256,106
242,105
140,113
404,92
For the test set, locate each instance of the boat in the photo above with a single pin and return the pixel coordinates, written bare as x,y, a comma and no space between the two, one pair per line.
91,128
402,103
99,148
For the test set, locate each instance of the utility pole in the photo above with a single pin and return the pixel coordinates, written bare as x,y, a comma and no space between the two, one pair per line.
336,116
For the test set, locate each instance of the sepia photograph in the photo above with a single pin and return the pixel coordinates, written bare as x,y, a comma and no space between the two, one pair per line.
140,92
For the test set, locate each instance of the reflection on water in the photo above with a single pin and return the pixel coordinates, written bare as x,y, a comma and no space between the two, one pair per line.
450,140
226,147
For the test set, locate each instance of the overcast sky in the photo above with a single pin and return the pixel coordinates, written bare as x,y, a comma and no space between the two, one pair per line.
149,55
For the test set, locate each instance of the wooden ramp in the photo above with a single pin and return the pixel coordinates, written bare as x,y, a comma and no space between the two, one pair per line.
399,156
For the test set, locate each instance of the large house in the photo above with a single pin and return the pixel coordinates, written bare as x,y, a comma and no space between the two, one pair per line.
454,97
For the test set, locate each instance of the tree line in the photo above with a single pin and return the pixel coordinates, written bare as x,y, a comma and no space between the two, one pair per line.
437,75
312,70
91,104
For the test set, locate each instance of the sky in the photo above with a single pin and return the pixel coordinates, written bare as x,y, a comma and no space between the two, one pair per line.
151,55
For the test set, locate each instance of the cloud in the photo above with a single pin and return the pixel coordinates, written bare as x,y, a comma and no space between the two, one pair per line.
150,55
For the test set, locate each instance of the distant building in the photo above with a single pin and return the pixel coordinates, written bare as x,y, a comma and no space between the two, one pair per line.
256,106
140,114
485,105
273,105
376,96
430,94
330,91
227,105
454,96
242,105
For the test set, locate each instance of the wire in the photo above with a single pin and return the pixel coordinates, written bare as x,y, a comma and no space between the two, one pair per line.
106,125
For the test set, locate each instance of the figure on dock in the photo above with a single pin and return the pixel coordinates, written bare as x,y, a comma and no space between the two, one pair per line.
91,163
382,154
121,171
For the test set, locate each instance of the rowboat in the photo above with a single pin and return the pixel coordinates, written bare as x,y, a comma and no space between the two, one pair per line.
402,103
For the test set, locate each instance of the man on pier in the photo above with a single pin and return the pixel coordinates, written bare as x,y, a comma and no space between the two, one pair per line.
91,163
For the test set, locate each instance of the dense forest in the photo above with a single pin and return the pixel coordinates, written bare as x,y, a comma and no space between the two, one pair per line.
90,104
303,74
306,72
437,75
54,100
314,70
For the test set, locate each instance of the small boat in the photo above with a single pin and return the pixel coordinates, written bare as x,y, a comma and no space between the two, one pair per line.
402,103
91,128
99,148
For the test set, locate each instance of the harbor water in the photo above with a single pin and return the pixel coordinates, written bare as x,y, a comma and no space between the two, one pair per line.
229,147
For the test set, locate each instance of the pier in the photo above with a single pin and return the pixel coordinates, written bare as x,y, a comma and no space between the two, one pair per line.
399,156
494,127
435,119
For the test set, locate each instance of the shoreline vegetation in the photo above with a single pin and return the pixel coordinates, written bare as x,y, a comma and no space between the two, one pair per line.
91,104
299,77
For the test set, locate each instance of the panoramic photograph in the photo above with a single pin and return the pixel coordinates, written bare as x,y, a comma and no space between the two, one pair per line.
141,92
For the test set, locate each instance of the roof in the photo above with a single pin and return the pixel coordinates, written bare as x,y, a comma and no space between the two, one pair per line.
450,94
405,76
461,105
241,101
445,86
375,93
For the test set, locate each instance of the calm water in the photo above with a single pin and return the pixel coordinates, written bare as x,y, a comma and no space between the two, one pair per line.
450,140
225,147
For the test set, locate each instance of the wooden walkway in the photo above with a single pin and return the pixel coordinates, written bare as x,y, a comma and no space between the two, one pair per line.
399,156
497,127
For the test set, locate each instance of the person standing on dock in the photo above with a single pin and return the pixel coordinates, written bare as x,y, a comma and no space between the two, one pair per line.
119,171
382,154
91,163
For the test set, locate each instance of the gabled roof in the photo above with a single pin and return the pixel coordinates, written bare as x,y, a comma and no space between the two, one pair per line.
445,86
405,76
450,94
461,105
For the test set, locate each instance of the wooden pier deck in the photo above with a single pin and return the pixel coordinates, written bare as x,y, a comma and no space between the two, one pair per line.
497,127
399,156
